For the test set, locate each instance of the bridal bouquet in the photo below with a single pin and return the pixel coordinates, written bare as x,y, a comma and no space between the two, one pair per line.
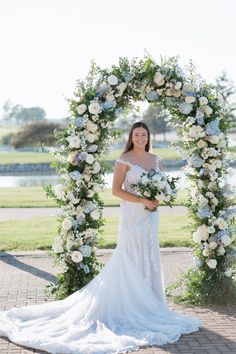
156,185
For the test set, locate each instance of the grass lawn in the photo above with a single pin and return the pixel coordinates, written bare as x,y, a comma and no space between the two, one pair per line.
29,197
38,233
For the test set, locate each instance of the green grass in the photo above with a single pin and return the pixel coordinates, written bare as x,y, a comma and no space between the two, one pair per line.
38,233
35,197
11,157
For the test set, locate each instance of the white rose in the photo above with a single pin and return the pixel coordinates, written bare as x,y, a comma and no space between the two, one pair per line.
95,215
91,138
206,252
92,127
89,159
221,250
202,232
215,201
201,144
85,250
178,85
59,190
212,245
214,139
94,108
159,78
226,240
74,141
207,110
190,99
203,101
212,263
81,108
112,80
67,224
197,237
96,167
58,245
221,223
228,272
72,158
76,256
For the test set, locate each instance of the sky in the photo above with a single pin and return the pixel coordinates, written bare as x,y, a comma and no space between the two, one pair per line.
46,45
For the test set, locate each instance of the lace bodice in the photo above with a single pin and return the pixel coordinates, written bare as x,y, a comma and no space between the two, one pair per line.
134,173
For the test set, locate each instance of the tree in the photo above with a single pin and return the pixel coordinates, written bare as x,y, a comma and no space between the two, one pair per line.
227,89
155,118
36,134
18,114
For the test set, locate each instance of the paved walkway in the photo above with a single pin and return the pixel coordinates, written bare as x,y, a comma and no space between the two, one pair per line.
23,276
26,213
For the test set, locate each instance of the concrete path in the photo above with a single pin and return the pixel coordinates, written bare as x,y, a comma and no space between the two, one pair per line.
26,213
24,275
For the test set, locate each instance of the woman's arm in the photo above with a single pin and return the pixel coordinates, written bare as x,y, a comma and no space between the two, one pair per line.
118,178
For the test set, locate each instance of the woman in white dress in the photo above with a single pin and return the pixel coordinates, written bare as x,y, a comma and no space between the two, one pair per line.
124,306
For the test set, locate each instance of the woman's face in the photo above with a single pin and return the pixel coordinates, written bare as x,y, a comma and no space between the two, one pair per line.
140,137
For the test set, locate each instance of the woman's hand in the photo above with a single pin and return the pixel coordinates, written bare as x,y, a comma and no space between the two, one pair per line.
150,204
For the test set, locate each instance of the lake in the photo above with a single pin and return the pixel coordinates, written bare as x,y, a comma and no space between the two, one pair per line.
43,180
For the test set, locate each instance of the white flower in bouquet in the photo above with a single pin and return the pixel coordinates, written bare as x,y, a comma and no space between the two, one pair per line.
221,250
121,88
58,245
215,201
67,224
72,198
226,240
95,215
90,159
76,256
190,99
81,109
222,144
96,167
200,184
212,263
228,272
178,85
85,250
201,144
92,127
94,108
206,110
97,188
145,179
203,101
69,244
74,141
221,223
196,132
75,175
112,80
90,194
159,78
213,245
63,266
146,194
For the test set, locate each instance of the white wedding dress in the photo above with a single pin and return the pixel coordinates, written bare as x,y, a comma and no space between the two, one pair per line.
121,309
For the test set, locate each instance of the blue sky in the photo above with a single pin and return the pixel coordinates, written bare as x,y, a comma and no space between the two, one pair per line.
46,45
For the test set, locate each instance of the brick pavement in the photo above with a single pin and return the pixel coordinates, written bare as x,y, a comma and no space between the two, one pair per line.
23,277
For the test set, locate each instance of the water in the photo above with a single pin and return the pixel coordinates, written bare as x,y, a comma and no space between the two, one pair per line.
44,180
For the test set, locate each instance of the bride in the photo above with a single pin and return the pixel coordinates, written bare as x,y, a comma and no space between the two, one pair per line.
124,306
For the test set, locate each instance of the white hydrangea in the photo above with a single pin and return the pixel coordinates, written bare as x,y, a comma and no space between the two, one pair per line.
159,78
221,250
89,159
221,223
58,245
85,250
201,234
74,141
92,127
212,245
96,167
95,215
201,144
94,108
59,190
226,240
67,224
196,132
190,99
203,101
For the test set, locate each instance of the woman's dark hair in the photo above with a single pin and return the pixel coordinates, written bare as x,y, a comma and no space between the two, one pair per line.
129,145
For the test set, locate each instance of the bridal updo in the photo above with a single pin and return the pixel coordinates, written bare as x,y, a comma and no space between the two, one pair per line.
129,145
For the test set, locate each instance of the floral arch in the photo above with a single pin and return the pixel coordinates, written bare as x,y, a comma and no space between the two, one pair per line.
200,119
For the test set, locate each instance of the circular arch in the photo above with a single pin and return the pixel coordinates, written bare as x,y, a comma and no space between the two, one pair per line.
199,117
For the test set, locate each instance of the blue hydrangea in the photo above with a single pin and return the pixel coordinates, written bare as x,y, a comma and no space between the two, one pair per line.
200,119
204,212
128,77
197,261
102,90
197,161
203,171
152,95
220,234
85,267
79,122
212,128
107,105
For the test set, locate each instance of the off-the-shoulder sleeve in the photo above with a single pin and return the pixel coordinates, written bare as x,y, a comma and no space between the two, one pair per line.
124,162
